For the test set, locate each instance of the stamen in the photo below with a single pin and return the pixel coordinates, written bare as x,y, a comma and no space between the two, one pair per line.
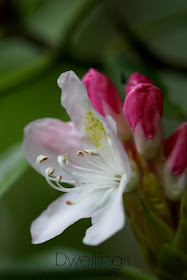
117,176
69,202
90,153
75,173
63,189
60,161
58,179
49,171
76,202
80,153
87,169
40,159
66,158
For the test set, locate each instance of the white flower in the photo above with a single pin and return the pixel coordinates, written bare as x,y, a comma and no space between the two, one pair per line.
85,153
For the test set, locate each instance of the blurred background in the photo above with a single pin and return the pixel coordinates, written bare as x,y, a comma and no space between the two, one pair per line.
40,39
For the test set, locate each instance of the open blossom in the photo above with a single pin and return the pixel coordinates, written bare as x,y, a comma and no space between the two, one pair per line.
85,153
175,169
143,109
105,98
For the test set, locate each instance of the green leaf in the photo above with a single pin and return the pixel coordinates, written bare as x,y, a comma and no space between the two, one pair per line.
93,36
52,21
20,61
173,264
12,165
175,105
180,238
160,25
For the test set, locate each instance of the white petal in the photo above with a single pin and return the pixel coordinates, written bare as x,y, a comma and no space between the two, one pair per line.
118,148
59,216
51,138
87,120
108,221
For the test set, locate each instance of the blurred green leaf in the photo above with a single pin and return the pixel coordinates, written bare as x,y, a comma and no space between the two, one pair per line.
20,61
52,21
169,125
176,85
180,237
93,36
12,165
27,8
160,25
173,264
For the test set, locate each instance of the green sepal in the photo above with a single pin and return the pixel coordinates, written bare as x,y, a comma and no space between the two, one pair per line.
172,264
157,230
134,210
181,234
155,198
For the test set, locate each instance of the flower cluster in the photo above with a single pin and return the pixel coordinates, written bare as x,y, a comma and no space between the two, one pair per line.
104,152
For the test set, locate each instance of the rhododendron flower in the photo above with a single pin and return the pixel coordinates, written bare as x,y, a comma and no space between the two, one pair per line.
143,109
85,153
105,98
175,169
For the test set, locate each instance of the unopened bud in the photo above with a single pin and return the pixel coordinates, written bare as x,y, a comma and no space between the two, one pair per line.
143,108
175,169
134,79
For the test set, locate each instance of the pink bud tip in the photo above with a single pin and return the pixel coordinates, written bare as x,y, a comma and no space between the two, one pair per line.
143,108
175,150
102,93
144,105
135,79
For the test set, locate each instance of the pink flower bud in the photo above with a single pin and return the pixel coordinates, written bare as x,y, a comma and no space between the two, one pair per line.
135,79
175,169
106,100
143,108
175,150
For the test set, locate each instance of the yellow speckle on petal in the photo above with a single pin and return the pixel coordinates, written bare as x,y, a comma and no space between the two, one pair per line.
94,129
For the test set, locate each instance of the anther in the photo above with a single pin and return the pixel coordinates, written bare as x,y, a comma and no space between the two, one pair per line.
66,158
49,171
74,173
109,141
62,159
58,179
80,153
117,176
90,153
68,202
41,158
